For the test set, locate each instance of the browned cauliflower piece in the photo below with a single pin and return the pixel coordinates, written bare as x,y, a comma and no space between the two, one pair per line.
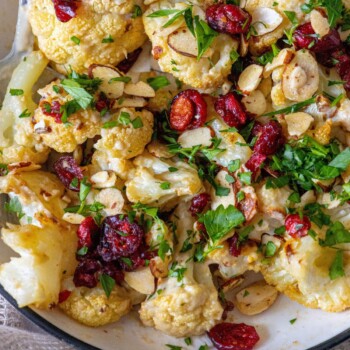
95,20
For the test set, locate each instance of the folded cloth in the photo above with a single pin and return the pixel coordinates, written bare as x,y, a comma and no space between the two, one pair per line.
18,333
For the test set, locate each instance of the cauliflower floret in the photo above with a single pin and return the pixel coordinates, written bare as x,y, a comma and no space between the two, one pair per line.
208,72
152,183
39,193
95,20
83,124
301,271
91,306
183,305
17,142
46,254
342,116
127,139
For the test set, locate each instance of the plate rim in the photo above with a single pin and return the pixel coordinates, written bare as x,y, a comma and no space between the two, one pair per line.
79,344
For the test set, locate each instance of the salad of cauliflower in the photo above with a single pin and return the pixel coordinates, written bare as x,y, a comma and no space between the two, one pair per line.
152,176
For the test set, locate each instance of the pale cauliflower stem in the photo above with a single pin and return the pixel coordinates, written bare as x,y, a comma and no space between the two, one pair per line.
46,254
83,124
17,142
146,182
301,271
40,194
95,20
91,306
187,307
210,71
125,140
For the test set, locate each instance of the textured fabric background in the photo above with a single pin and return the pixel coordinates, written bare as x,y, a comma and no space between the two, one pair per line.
18,333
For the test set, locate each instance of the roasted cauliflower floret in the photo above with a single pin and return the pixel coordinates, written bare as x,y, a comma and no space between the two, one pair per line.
186,303
83,124
301,271
17,142
153,183
46,254
94,22
179,57
129,137
92,307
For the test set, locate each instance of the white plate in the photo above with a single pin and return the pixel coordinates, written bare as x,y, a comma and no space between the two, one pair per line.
311,328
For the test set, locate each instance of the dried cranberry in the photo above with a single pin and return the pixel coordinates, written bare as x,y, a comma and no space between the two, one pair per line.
233,336
229,19
132,262
65,9
231,110
52,110
234,245
255,162
87,233
296,226
270,138
120,238
85,274
125,65
67,170
199,203
103,103
113,271
328,43
188,110
342,66
63,296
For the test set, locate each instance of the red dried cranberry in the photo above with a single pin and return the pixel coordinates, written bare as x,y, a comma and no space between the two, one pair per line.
270,138
65,9
125,65
132,262
255,162
234,245
229,19
342,66
188,110
53,110
103,103
328,43
231,110
87,233
296,226
120,238
233,336
112,270
199,203
63,296
85,274
67,170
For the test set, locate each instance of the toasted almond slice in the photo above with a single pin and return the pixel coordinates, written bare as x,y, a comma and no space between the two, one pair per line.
103,179
112,89
200,136
112,199
265,20
298,123
141,280
255,298
255,103
344,34
183,42
284,57
301,77
244,46
73,218
140,89
250,78
130,102
319,23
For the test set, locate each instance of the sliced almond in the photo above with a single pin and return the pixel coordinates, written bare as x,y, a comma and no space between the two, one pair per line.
112,199
301,77
103,179
140,89
298,123
183,42
265,20
244,46
73,218
319,23
110,87
344,34
159,149
255,103
130,102
250,78
200,136
284,57
141,280
255,298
